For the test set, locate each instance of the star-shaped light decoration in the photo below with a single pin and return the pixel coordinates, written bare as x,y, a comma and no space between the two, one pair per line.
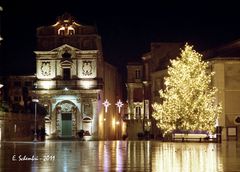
106,104
119,105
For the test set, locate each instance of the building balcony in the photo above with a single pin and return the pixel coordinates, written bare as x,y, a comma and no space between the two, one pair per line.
73,84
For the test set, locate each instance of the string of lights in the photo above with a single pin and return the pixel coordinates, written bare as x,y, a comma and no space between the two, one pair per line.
188,100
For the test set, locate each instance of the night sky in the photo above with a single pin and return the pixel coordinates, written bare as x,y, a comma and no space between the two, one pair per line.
127,29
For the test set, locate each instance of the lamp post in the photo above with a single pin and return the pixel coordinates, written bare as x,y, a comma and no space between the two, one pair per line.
145,119
1,85
1,96
35,119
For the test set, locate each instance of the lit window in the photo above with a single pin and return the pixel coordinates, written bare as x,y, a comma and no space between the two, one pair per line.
71,30
137,74
61,31
138,112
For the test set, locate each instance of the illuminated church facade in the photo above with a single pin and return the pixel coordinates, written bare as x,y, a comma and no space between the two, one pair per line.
72,81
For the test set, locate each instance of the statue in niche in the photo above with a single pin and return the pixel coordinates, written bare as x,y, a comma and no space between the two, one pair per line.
74,109
87,109
58,109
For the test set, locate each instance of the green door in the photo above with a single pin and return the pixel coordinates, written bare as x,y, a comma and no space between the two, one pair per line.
66,124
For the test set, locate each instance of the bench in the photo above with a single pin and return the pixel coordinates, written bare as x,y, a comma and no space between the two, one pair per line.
189,137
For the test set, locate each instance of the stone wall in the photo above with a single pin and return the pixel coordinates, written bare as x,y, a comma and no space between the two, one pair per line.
19,127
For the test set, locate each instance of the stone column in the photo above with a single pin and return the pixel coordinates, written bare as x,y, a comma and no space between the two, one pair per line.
79,114
58,121
95,119
219,82
74,121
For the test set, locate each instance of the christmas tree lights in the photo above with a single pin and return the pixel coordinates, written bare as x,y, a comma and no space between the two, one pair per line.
189,100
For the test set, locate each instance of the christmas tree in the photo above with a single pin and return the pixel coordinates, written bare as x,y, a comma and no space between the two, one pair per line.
188,101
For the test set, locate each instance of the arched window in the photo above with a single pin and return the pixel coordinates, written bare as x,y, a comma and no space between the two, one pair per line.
71,30
61,31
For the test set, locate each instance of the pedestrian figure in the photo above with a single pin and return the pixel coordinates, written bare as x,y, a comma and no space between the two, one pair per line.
42,134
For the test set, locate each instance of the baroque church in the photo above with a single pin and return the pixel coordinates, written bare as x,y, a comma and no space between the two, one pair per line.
72,82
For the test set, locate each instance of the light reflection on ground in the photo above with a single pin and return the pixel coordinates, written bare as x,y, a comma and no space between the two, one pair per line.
131,156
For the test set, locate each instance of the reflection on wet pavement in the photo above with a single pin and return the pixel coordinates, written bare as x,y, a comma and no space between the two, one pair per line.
119,156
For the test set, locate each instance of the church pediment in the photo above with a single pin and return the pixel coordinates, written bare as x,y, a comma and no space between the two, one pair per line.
61,49
64,48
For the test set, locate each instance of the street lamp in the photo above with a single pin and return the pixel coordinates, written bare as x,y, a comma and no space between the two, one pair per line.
144,105
1,85
35,119
1,96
